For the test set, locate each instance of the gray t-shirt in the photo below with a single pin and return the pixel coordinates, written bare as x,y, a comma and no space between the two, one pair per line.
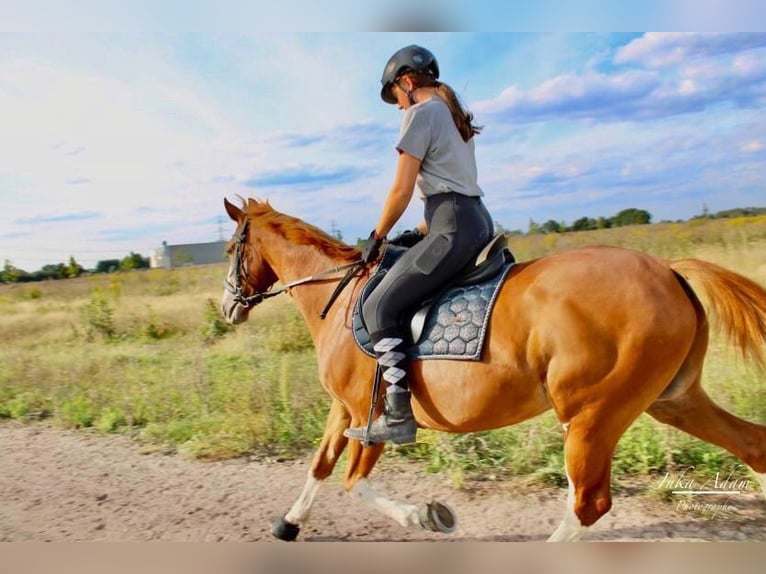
448,163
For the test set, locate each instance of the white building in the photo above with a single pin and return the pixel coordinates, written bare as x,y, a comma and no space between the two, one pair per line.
170,256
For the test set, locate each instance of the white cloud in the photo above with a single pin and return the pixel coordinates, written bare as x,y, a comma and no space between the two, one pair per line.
734,74
662,49
590,94
753,146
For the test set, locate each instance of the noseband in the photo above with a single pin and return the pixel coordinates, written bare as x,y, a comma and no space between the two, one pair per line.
260,296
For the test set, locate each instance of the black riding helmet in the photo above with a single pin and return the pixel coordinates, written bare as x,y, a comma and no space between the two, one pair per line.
410,58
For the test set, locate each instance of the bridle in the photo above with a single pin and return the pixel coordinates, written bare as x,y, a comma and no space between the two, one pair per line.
236,289
260,296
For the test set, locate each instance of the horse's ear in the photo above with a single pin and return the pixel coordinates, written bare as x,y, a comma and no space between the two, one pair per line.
234,212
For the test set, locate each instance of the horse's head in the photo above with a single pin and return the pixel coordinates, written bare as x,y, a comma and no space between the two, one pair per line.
249,276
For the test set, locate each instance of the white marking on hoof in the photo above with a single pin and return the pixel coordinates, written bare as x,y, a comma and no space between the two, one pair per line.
402,512
301,509
570,529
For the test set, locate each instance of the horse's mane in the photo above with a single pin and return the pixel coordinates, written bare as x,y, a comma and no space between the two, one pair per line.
295,230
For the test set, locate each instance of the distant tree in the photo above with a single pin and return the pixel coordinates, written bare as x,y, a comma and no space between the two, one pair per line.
107,266
740,212
11,274
631,216
74,269
603,223
534,228
552,226
134,261
584,224
50,271
500,228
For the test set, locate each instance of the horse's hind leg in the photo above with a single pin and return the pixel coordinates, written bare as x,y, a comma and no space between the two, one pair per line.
695,413
325,458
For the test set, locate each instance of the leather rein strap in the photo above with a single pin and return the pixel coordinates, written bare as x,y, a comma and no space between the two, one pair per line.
352,270
258,297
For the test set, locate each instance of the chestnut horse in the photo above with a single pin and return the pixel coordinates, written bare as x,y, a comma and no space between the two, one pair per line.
599,335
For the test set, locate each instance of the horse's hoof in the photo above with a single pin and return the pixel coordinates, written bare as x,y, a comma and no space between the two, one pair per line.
283,530
438,517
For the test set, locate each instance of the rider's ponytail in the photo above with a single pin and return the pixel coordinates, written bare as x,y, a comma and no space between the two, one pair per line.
463,118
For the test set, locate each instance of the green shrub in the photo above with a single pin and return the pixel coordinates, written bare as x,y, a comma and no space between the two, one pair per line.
98,316
174,432
77,413
703,457
152,328
551,471
110,420
32,293
18,407
215,326
24,405
643,449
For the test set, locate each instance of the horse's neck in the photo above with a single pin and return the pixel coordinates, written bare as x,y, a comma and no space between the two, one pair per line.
295,262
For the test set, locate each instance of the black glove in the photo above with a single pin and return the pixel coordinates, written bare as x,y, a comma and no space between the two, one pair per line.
407,238
370,248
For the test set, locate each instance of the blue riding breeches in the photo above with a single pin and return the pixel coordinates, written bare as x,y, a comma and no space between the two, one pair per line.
458,227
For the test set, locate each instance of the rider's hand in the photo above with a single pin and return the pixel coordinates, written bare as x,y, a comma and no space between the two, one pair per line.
371,247
407,238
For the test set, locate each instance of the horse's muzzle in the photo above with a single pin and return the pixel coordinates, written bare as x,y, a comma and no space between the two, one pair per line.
233,312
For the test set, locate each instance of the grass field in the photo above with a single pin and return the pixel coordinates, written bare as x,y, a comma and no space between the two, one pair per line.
146,353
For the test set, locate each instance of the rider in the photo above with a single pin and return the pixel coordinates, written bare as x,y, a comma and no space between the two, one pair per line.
436,151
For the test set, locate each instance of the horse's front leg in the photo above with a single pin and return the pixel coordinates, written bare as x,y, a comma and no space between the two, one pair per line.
330,449
434,516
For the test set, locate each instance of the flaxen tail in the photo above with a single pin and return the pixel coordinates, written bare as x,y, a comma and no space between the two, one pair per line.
736,303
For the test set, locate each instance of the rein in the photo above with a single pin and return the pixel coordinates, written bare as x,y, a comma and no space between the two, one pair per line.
258,297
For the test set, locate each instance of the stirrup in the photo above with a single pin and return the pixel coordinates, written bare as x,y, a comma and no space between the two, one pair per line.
381,431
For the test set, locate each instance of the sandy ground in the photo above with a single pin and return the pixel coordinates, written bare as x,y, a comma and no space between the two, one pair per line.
57,485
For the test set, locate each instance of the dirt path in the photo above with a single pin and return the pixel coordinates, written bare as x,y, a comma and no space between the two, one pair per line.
64,486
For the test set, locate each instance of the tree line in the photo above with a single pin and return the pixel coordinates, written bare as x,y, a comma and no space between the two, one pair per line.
12,274
630,216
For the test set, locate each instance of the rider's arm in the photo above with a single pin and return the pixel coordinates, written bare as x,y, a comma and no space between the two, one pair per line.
400,194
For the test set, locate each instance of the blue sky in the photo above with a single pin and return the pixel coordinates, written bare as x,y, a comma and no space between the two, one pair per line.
113,141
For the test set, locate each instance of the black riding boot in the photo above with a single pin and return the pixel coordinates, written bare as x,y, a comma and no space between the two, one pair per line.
396,422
